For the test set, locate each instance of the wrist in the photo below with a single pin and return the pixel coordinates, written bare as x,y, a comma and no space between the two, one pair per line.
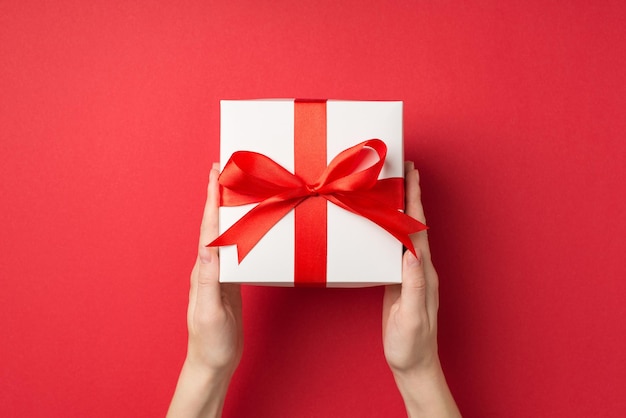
200,391
425,391
423,378
207,373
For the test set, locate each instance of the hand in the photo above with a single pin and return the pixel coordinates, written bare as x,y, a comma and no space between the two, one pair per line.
214,321
214,313
410,322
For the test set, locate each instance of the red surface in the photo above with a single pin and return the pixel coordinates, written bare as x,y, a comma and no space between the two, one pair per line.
514,113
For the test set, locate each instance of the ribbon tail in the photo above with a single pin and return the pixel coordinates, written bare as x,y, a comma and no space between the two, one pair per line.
249,229
389,191
398,224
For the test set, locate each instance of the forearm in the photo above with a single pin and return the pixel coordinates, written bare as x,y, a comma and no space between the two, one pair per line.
199,393
426,393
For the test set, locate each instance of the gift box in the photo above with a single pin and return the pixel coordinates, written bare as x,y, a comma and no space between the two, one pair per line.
312,193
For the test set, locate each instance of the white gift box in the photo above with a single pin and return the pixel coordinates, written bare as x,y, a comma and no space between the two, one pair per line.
359,252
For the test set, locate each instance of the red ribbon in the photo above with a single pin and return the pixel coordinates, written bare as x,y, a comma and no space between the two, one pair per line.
250,177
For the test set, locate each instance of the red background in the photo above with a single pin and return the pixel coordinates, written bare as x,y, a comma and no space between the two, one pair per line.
109,120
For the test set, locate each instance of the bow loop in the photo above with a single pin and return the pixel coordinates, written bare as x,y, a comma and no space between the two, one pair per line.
346,173
250,177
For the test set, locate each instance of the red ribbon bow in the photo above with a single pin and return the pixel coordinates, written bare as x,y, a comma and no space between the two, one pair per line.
250,177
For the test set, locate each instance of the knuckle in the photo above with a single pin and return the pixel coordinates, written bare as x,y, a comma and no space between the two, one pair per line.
418,282
205,275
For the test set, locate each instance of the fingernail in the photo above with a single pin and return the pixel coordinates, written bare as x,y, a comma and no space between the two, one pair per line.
411,260
205,255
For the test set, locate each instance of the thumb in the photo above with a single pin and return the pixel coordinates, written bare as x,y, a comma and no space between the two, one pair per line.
413,295
208,293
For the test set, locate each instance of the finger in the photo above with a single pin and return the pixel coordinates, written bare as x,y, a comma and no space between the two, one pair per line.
432,292
193,289
413,295
413,193
415,209
207,267
209,229
208,292
392,293
420,240
231,294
